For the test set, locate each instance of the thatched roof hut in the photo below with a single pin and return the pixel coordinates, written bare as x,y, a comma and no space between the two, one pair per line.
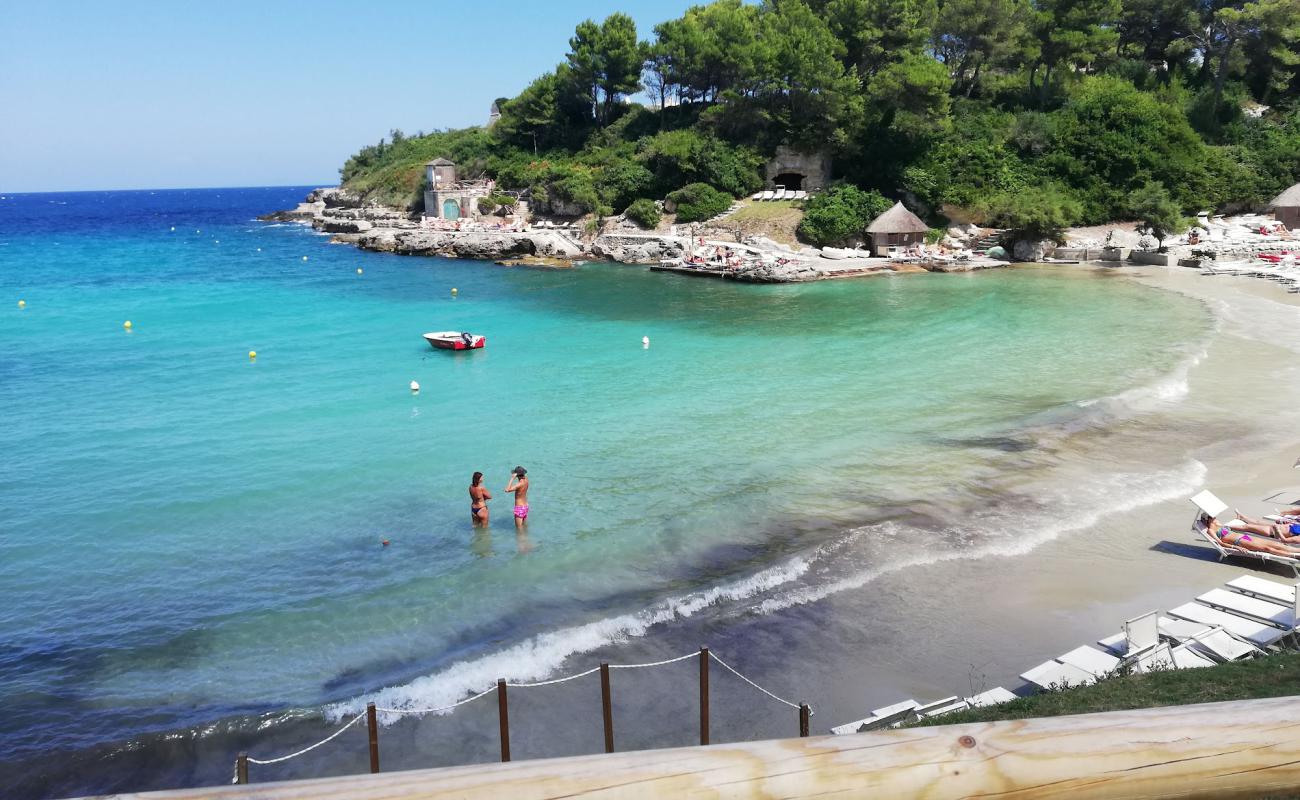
897,227
1286,207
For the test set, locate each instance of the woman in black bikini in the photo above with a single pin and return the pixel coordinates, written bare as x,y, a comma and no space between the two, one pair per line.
478,497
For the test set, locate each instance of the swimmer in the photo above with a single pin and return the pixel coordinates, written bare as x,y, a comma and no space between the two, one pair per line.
519,485
478,497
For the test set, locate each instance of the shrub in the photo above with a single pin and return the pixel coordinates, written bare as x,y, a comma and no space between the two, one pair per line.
643,212
1153,207
486,205
685,156
698,201
1037,213
839,214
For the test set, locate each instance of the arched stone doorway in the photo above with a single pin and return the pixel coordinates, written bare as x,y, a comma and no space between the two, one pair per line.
450,209
790,180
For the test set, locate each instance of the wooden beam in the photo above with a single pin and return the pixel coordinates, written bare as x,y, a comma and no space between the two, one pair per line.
1220,750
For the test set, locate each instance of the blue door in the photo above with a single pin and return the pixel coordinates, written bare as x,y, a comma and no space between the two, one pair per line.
450,209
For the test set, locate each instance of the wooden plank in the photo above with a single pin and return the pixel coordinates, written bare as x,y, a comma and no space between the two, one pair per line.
1220,750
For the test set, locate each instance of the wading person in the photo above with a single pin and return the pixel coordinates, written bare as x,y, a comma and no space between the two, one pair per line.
519,485
478,497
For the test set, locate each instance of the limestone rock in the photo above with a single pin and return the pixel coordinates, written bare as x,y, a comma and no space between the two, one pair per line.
1032,249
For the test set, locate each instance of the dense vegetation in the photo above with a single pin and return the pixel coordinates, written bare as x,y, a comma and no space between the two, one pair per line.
1034,112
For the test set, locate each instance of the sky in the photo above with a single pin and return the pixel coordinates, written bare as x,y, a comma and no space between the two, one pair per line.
136,95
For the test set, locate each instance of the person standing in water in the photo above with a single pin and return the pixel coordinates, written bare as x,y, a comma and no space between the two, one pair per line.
478,497
519,485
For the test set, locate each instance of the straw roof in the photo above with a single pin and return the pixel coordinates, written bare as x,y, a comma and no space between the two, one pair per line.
897,220
1288,199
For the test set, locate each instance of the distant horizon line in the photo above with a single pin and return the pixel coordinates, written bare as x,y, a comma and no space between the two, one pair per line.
173,189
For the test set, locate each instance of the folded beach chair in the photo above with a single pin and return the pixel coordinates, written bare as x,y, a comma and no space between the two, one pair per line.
1187,657
880,718
1139,634
1213,507
992,697
1158,658
940,707
1222,646
1055,675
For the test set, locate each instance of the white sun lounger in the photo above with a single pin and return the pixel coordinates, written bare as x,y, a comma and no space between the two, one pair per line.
1139,633
1220,645
1055,675
800,194
1157,658
769,194
1243,605
1090,660
1257,633
992,697
880,718
757,196
1186,657
940,707
1263,588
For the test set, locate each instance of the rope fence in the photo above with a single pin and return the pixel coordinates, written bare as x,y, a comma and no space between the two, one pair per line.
371,712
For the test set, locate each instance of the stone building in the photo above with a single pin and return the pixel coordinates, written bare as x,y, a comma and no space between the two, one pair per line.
1286,207
446,197
795,170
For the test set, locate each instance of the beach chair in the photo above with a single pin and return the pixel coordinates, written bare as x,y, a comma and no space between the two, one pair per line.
1213,507
1090,660
1138,634
1257,633
880,718
1283,616
940,707
1263,588
1185,656
1158,658
992,697
1222,646
1055,675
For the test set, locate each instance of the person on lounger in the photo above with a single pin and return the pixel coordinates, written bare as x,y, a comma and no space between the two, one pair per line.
1260,543
1286,529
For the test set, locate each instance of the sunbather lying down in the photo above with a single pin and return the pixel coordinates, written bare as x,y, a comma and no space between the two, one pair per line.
1287,530
1259,543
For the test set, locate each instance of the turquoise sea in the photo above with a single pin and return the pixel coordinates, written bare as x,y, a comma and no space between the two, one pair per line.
191,541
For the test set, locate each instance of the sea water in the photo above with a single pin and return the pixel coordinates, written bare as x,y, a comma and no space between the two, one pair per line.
193,540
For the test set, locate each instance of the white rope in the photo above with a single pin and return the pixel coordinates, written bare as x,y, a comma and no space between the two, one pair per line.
305,750
654,663
235,778
557,680
714,656
435,710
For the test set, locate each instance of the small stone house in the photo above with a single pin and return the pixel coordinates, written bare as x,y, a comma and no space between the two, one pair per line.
1286,207
446,197
897,227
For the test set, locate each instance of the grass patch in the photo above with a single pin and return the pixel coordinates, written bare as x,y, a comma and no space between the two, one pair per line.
768,211
775,219
1272,676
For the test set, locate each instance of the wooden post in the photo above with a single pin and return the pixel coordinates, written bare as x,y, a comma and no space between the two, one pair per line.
607,707
804,713
373,725
503,712
704,695
241,768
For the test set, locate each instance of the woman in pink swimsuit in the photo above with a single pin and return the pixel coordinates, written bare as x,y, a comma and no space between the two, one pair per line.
519,485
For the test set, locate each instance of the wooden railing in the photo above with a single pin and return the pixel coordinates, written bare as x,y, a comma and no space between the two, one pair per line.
1221,750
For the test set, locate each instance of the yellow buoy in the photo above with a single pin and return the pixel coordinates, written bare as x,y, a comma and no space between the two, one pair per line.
127,324
22,304
453,291
252,354
358,270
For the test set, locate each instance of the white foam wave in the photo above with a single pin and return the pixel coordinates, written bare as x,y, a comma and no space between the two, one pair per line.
536,658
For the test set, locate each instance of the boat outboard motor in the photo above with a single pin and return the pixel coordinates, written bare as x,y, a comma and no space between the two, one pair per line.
468,337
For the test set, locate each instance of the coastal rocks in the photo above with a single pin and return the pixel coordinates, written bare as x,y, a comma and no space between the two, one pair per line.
1032,249
331,225
631,248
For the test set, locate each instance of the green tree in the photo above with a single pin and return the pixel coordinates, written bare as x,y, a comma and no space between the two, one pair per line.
698,201
809,94
605,62
1070,34
912,94
977,35
643,212
1040,212
840,214
877,32
1154,208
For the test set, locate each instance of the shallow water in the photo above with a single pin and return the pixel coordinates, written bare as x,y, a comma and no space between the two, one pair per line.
192,540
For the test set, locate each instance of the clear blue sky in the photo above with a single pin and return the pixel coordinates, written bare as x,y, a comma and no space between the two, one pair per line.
124,95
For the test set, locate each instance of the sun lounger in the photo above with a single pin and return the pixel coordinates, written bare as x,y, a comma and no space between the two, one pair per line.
1283,616
880,718
1263,588
1090,660
992,697
1257,633
1153,660
1213,507
768,195
940,707
1222,646
1139,633
1055,675
1186,657
800,194
757,196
